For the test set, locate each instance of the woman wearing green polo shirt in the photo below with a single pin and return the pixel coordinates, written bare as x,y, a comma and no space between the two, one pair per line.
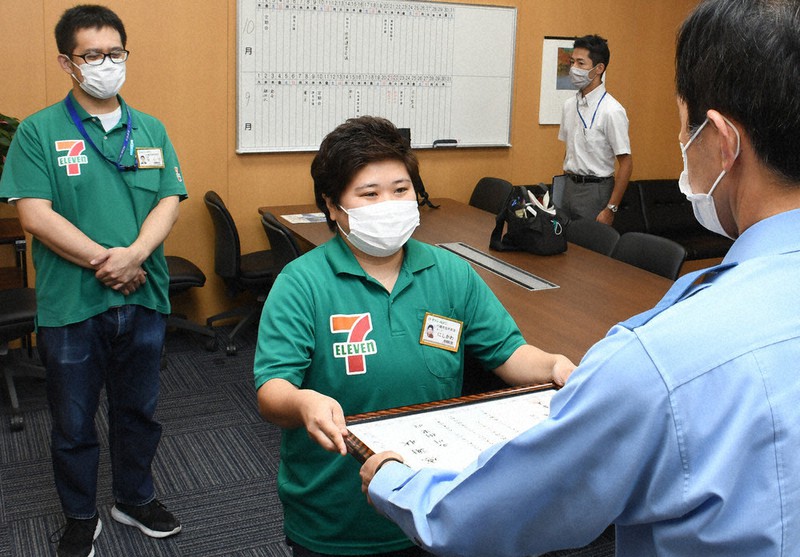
342,333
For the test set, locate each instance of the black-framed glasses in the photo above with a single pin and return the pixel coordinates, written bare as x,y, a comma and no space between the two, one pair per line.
97,58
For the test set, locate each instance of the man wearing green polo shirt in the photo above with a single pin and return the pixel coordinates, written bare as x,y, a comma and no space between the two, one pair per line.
97,184
367,321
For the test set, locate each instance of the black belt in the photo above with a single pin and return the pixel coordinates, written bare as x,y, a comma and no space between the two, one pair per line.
586,179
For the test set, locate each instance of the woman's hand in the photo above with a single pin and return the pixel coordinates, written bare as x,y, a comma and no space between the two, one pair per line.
323,419
562,369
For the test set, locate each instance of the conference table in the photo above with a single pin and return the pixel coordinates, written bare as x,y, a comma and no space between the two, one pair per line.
594,291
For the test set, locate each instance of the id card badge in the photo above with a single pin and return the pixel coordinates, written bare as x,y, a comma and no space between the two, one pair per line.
441,332
149,158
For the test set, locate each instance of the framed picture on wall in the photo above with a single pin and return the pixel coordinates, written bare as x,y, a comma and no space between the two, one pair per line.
556,87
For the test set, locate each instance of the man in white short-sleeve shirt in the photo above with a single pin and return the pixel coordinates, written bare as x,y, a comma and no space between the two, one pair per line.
594,127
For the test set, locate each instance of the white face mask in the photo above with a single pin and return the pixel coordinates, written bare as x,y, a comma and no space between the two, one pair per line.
103,81
381,229
703,203
580,77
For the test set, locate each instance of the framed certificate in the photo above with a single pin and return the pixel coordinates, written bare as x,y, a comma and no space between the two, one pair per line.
449,433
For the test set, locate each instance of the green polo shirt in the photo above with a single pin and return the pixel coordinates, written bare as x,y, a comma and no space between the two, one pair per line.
329,327
49,159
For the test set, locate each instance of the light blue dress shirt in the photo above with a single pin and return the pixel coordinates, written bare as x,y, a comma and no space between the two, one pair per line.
682,427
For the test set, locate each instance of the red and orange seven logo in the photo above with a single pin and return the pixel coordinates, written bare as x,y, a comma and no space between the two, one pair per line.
357,347
74,157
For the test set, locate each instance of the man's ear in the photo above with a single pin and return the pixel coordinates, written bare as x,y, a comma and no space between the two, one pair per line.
66,64
601,69
729,141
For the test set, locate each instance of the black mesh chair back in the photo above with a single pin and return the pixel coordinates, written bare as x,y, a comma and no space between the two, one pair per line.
656,254
227,249
282,242
253,272
592,235
490,194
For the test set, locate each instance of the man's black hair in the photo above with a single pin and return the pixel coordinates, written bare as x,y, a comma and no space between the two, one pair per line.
597,47
85,16
742,58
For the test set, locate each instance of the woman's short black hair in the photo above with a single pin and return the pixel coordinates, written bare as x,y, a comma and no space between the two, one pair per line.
352,146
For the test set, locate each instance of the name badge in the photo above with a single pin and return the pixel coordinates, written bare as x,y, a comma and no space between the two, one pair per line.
150,158
441,332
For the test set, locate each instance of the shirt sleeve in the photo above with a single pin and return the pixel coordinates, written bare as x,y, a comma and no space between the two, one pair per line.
171,175
616,130
561,483
562,129
173,182
491,333
286,333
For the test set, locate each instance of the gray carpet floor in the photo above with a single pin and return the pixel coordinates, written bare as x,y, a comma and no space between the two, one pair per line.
215,468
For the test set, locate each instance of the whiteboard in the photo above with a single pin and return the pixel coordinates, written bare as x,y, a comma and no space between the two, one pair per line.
304,66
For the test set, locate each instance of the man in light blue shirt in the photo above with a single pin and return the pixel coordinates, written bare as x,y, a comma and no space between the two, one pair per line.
682,426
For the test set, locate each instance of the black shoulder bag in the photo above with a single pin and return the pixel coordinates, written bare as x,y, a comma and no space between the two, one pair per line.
533,224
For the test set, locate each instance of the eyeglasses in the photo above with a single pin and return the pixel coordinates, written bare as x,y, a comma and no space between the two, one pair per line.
97,58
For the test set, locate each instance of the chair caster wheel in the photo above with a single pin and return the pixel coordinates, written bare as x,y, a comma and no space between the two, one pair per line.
211,344
230,350
17,423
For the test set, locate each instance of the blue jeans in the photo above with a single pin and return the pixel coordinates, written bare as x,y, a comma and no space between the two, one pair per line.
121,350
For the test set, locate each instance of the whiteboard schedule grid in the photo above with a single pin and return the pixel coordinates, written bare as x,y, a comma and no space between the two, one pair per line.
451,433
305,66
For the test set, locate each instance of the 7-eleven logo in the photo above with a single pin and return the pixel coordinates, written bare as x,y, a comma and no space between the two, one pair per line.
356,347
74,157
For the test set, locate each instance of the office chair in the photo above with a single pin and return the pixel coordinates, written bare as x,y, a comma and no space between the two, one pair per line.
17,315
282,242
557,189
490,194
656,254
250,272
592,235
184,275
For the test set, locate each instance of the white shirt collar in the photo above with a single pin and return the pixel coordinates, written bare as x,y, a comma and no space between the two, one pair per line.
593,97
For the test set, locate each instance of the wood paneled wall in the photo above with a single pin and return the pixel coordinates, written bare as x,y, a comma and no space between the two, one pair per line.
182,70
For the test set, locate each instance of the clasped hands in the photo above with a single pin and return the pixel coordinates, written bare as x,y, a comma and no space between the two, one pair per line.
119,269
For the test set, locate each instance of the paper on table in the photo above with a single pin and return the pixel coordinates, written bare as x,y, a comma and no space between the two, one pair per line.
453,437
304,218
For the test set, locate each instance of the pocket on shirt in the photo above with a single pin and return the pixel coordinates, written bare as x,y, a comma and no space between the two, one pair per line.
440,362
148,179
144,187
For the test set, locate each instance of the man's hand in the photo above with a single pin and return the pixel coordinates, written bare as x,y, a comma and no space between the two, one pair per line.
371,467
606,216
120,269
132,286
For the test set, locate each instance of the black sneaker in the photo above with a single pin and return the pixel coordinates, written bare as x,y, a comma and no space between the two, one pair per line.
153,518
76,541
